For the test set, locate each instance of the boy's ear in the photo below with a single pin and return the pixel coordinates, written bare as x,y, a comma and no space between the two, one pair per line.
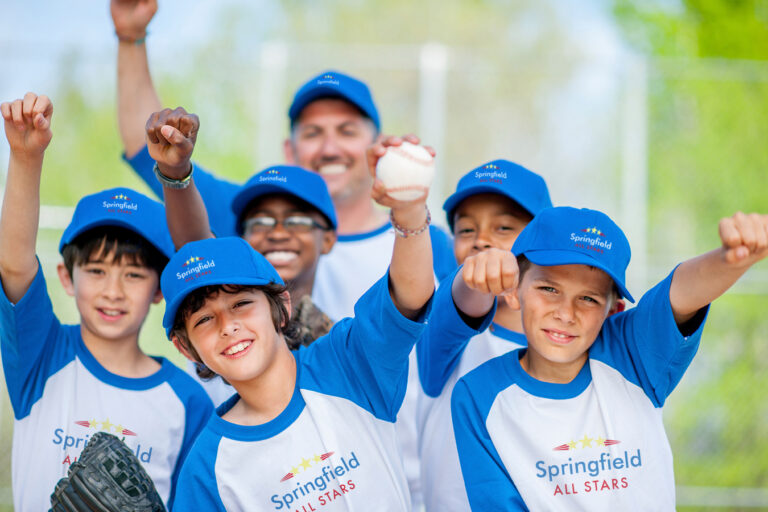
512,300
288,152
158,296
180,347
618,307
329,239
287,302
66,279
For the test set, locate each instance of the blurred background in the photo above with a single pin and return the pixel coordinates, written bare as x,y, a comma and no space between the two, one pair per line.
654,111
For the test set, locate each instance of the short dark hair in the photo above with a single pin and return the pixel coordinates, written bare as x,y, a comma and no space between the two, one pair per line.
115,240
524,264
196,299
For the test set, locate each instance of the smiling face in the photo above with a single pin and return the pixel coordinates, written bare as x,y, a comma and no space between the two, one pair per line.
293,251
112,296
331,137
483,221
234,335
563,308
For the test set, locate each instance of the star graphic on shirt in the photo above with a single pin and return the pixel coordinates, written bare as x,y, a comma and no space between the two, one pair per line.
306,464
295,470
572,444
586,442
600,441
93,423
118,428
317,459
106,425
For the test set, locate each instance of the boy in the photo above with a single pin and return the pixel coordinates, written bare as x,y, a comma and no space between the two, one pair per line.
68,381
284,212
308,429
574,420
491,206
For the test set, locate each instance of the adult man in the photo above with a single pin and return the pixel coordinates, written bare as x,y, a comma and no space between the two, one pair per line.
333,120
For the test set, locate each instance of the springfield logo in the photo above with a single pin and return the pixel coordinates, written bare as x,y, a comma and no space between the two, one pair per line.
606,471
120,203
318,482
195,267
490,173
272,175
70,441
591,240
327,79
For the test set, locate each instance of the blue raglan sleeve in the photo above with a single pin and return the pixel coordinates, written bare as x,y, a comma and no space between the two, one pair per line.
444,339
365,358
486,480
32,343
443,258
198,409
217,193
645,343
197,488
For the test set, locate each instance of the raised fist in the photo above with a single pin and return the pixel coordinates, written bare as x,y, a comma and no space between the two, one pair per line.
131,17
744,238
171,136
28,124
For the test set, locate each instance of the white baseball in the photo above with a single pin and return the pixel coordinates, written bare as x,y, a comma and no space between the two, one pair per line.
406,171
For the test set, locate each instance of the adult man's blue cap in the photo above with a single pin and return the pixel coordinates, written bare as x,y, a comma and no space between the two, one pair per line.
503,177
332,84
296,181
122,207
568,236
227,260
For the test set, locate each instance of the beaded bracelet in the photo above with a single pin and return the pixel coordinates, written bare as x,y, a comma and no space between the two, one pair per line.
405,232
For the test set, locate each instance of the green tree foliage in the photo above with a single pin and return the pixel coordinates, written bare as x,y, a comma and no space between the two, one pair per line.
708,157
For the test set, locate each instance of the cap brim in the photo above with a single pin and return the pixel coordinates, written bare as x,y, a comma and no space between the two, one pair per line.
320,92
454,199
172,307
548,258
246,196
82,228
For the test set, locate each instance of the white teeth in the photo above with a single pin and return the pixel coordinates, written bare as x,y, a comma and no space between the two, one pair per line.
237,348
278,257
558,335
111,312
332,169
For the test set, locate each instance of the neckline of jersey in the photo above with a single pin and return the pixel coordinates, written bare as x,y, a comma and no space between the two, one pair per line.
508,334
132,383
547,389
354,237
258,432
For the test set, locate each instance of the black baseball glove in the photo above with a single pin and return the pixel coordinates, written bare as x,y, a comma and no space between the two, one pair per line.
106,478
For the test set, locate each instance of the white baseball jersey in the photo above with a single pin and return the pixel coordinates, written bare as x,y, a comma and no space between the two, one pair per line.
445,354
334,446
61,396
595,443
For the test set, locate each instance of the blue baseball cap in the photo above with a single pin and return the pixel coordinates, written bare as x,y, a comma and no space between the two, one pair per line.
567,236
332,84
503,177
125,208
227,260
285,179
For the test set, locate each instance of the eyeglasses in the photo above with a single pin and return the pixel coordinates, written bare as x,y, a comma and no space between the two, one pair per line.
292,224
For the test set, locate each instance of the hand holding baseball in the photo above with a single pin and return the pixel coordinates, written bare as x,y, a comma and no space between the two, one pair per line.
171,136
28,125
402,170
744,238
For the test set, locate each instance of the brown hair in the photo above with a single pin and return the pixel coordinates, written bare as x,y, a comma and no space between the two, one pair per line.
524,264
121,242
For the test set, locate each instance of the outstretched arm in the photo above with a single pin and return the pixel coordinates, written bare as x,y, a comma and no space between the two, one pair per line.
410,272
171,137
28,130
700,280
136,94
